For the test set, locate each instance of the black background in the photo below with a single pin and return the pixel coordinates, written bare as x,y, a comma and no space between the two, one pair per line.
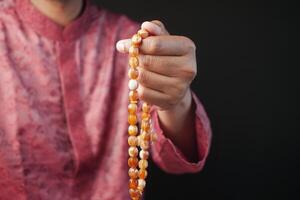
242,49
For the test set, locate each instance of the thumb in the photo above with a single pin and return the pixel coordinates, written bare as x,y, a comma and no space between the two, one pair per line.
155,27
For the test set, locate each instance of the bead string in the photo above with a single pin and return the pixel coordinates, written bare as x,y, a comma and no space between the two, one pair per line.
138,144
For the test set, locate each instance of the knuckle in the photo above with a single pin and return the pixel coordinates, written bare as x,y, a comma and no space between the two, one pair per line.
143,76
172,101
155,45
179,90
176,89
190,72
190,44
147,61
159,23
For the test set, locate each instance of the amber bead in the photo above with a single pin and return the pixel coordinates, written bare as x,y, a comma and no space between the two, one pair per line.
135,194
133,96
132,108
146,107
143,33
145,116
132,141
133,73
132,119
133,130
133,162
133,51
137,181
133,183
133,151
133,62
133,173
143,164
136,40
144,144
143,173
147,120
145,125
146,136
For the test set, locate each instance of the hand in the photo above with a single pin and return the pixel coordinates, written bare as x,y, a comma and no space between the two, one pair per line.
167,66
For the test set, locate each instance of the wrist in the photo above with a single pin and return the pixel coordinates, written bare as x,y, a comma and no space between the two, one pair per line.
178,125
174,120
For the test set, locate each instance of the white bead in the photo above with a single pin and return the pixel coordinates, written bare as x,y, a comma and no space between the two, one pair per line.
133,84
141,183
144,154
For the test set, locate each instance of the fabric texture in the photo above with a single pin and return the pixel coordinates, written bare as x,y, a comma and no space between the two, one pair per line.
63,108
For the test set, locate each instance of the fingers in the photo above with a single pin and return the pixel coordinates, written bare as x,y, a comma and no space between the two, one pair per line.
164,65
153,97
154,81
165,45
183,68
163,84
159,23
160,42
154,27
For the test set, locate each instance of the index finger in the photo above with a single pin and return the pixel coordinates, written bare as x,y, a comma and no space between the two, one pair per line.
165,45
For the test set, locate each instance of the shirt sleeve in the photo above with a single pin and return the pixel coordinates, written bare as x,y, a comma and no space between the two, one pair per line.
169,157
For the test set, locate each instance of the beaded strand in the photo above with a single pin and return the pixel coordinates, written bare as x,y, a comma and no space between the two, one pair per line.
138,143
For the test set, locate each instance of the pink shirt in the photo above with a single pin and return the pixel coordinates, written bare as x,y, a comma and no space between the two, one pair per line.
63,108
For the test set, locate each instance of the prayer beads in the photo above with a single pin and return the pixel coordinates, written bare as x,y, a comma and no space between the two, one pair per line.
138,140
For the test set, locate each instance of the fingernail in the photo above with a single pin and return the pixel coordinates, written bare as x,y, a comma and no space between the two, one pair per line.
121,46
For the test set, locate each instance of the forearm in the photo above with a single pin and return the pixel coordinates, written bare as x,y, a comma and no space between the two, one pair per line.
178,126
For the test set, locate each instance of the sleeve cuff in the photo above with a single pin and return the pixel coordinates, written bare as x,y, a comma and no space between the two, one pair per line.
169,157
